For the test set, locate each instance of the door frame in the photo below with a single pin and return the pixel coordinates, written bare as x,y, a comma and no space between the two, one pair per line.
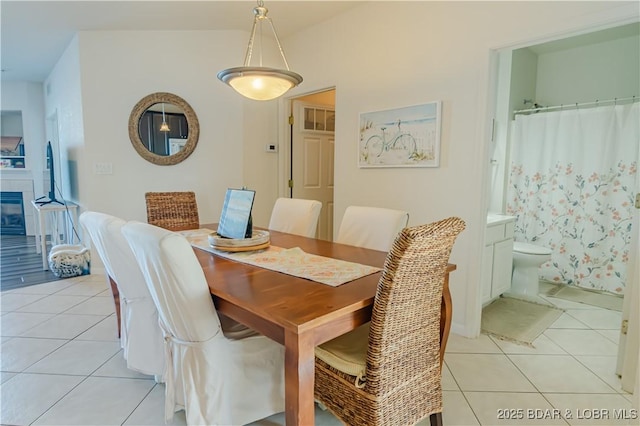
285,110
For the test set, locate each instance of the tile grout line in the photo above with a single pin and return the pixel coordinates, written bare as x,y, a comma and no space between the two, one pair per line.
507,355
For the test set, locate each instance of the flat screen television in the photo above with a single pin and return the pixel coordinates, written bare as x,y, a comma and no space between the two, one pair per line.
51,197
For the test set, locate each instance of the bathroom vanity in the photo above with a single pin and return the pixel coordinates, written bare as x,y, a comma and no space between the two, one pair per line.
497,257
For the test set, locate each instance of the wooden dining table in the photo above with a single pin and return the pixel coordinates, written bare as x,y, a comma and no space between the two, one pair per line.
299,313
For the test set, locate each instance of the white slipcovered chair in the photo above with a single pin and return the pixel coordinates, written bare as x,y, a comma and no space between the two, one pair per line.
295,216
371,227
140,334
217,380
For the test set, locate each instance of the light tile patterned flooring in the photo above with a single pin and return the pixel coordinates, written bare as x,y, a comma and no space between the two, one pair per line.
61,363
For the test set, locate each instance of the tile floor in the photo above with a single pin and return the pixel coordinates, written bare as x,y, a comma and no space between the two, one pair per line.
61,363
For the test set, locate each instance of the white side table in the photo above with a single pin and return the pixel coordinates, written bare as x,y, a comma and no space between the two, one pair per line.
57,214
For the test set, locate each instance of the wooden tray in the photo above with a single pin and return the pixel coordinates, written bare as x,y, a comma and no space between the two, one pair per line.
245,248
259,237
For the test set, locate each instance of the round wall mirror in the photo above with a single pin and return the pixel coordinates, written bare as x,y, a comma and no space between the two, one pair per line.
163,128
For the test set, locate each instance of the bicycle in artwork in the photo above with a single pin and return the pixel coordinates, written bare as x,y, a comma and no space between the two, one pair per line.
400,141
401,137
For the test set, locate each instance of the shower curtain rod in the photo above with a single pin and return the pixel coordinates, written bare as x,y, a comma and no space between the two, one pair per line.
577,105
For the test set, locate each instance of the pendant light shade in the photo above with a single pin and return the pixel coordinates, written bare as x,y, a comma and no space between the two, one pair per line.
258,82
164,127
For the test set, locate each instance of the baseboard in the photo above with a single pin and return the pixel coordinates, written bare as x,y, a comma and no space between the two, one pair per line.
99,270
461,330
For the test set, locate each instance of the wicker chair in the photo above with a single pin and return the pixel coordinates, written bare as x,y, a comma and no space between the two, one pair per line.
387,372
175,211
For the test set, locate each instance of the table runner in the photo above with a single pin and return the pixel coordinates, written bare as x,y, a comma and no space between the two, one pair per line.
293,261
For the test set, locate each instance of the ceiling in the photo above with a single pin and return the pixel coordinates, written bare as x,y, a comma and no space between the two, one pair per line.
34,34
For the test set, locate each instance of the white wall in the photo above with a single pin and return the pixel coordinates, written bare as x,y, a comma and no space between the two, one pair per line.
261,167
63,99
11,123
601,71
117,69
384,55
524,76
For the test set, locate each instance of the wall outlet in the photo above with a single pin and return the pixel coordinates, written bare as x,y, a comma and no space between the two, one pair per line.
271,147
103,168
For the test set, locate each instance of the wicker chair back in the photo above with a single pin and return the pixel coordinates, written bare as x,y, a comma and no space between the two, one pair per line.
175,211
402,380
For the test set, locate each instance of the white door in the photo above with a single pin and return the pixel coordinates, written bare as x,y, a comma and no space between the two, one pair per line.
312,159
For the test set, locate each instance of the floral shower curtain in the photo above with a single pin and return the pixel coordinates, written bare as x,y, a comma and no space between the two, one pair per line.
572,187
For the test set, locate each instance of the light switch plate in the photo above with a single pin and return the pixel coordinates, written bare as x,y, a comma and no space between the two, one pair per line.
271,147
103,168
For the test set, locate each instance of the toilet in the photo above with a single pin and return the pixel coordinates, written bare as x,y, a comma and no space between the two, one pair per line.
527,258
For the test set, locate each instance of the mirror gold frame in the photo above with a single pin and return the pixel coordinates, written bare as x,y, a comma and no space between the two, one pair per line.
192,123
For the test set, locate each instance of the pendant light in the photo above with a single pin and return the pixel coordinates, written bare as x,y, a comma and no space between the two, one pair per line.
258,82
164,127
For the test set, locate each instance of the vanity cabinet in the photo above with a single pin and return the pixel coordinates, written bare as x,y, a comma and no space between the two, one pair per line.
497,257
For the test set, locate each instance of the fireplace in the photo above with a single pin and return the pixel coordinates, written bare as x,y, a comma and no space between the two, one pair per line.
12,219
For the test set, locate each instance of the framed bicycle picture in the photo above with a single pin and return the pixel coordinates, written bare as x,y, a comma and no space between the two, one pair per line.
400,137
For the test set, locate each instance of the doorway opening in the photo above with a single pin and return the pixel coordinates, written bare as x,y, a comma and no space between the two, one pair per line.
569,71
311,153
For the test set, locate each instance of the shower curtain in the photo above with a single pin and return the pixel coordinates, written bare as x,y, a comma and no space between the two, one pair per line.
572,187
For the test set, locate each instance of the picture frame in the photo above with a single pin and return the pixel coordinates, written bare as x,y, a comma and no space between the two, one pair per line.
176,144
400,137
